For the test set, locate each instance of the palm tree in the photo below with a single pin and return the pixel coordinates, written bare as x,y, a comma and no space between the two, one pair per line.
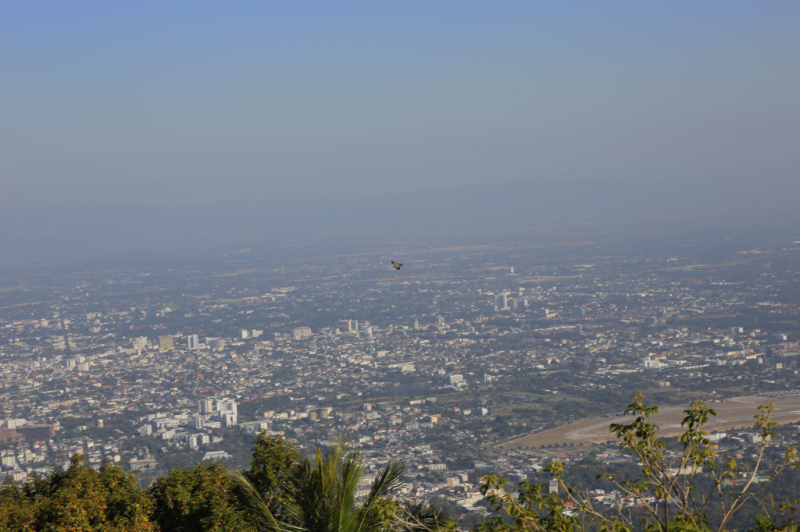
323,498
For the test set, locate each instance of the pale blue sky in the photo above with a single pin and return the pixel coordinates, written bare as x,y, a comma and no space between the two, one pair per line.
191,101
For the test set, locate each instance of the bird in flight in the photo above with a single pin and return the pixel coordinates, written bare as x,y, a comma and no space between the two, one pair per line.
397,265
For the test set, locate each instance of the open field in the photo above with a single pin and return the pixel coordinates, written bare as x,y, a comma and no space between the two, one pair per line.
734,413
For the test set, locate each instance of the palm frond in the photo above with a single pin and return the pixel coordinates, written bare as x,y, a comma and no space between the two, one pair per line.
352,469
422,517
313,497
387,481
263,515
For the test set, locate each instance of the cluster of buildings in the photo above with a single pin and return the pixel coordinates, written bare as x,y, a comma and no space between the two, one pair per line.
434,368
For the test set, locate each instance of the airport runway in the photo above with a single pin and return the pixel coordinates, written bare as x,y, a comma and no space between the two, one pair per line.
734,413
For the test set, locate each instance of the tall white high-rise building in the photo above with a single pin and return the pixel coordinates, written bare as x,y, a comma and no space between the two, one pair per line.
228,420
205,406
140,342
196,422
245,334
226,405
228,412
501,301
191,341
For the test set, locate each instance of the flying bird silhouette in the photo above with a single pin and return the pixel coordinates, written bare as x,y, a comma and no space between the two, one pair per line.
397,265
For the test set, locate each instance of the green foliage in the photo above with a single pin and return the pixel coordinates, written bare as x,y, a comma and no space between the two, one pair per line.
16,507
204,497
531,509
763,523
272,468
667,483
321,497
80,499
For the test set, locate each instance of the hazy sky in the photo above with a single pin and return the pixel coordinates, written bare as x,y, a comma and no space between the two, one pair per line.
175,102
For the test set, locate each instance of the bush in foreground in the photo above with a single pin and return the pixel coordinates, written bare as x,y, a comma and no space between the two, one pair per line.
667,486
280,492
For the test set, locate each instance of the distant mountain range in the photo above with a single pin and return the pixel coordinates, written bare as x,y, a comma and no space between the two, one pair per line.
94,227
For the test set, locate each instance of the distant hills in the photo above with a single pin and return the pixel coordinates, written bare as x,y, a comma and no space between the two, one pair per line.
95,227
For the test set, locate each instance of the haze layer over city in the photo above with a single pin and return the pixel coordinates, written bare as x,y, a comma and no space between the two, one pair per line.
458,235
